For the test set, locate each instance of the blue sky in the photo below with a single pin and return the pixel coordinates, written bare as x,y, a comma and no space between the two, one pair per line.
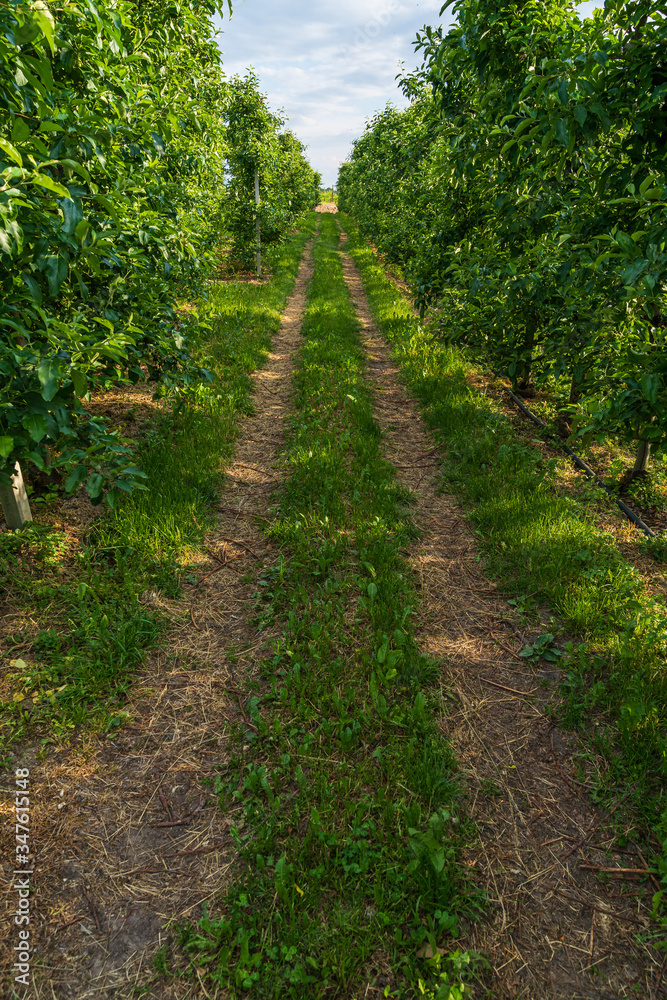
330,66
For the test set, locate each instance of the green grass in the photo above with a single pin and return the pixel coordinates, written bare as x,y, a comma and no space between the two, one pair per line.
537,542
93,630
345,806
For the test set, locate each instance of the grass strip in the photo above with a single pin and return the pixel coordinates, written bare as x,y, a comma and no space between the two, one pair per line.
536,542
92,628
344,805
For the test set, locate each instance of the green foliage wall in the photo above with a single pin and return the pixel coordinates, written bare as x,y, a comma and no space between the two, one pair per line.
524,189
121,176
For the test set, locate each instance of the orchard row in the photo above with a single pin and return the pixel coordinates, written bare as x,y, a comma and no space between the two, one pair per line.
524,192
127,166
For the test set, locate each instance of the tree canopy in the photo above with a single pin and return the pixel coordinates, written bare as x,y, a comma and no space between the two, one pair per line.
524,190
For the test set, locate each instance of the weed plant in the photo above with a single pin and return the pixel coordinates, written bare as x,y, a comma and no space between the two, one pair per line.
93,627
539,543
345,803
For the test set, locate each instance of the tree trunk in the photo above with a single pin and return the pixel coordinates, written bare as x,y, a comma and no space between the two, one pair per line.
641,458
564,423
526,386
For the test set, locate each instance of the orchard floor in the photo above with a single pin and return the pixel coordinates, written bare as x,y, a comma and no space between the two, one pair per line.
130,839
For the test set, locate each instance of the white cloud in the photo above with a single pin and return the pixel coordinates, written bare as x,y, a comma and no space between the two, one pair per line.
329,66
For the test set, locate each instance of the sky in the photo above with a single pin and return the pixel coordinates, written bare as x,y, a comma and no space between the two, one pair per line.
328,65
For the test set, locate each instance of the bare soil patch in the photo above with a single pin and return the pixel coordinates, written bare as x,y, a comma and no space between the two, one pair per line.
558,926
127,833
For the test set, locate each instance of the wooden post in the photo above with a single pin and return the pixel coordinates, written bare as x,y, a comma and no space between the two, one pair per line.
259,243
15,505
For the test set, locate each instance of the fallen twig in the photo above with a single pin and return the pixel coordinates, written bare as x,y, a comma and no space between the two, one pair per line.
614,871
221,565
165,804
503,687
503,646
69,923
181,822
212,554
645,864
92,910
243,545
242,709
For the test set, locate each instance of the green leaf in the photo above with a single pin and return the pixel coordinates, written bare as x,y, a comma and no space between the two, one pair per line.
632,272
44,18
72,214
75,478
10,150
6,446
580,113
82,230
79,382
646,184
562,92
48,183
523,125
650,387
33,285
598,109
47,373
94,485
20,130
77,167
108,205
562,133
55,269
36,425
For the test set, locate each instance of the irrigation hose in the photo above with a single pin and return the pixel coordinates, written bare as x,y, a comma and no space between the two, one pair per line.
582,465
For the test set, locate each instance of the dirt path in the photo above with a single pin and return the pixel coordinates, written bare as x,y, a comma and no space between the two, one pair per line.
130,836
555,931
